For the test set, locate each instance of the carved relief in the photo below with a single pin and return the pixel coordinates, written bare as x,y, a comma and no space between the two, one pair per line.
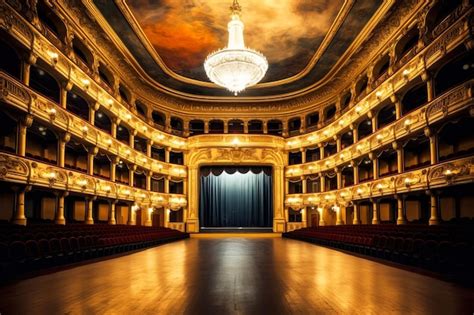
11,167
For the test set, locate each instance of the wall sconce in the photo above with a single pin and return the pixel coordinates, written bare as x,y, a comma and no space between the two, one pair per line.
359,147
135,207
159,136
178,142
359,191
358,109
343,194
127,152
336,208
128,116
405,74
110,102
150,210
312,138
379,138
341,156
50,175
408,182
108,142
380,187
84,129
126,192
144,160
144,128
320,210
326,133
235,142
341,122
52,113
54,57
82,183
407,124
86,83
107,188
378,95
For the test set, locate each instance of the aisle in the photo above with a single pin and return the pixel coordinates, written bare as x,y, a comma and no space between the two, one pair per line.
259,274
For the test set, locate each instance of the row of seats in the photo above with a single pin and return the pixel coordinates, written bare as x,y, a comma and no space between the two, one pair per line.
447,250
37,247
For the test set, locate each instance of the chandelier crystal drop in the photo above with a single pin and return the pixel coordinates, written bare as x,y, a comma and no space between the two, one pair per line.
236,67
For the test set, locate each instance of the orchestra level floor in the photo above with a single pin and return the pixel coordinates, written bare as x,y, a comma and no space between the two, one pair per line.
238,274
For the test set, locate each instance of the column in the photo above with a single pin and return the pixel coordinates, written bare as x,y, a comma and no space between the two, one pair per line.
356,172
63,96
59,215
355,134
398,109
246,126
113,167
401,218
374,122
434,218
339,220
167,154
338,143
433,145
89,208
265,127
284,132
148,174
376,212
167,217
168,124
115,123
167,185
322,178
304,219
321,151
63,139
131,174
112,212
91,153
303,155
131,215
23,125
149,143
131,138
206,126
92,109
426,76
321,216
356,219
375,165
339,177
25,69
303,184
149,211
19,217
400,156
303,125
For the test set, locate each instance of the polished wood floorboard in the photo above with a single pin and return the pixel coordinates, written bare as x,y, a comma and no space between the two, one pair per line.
235,275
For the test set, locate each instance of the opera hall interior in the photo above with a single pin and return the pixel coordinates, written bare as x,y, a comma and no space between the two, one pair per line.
236,157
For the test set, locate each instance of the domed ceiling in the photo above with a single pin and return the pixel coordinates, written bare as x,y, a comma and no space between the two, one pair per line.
303,40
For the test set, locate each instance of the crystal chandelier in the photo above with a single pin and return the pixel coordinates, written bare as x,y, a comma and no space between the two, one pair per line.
236,66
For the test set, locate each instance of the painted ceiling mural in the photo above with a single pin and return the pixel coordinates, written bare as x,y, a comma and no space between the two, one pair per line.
288,32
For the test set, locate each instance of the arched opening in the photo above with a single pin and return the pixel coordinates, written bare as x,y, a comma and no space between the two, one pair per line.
82,53
158,153
312,121
381,69
51,21
388,162
407,43
139,179
176,158
361,87
141,110
455,72
77,104
75,156
176,186
386,116
41,143
313,154
275,127
255,127
347,139
455,139
330,181
414,98
126,96
329,113
366,170
140,144
417,153
347,176
295,186
196,127
10,61
102,121
294,125
8,131
106,77
236,126
346,100
176,125
158,183
364,129
159,119
102,165
313,184
216,126
44,83
440,11
294,158
122,173
330,149
123,135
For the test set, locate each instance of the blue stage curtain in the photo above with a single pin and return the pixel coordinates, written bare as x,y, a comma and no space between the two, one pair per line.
236,198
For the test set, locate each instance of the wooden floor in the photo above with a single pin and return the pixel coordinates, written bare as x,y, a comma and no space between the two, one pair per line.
235,275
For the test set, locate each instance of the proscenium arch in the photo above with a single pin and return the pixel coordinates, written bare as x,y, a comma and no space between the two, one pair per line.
205,156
